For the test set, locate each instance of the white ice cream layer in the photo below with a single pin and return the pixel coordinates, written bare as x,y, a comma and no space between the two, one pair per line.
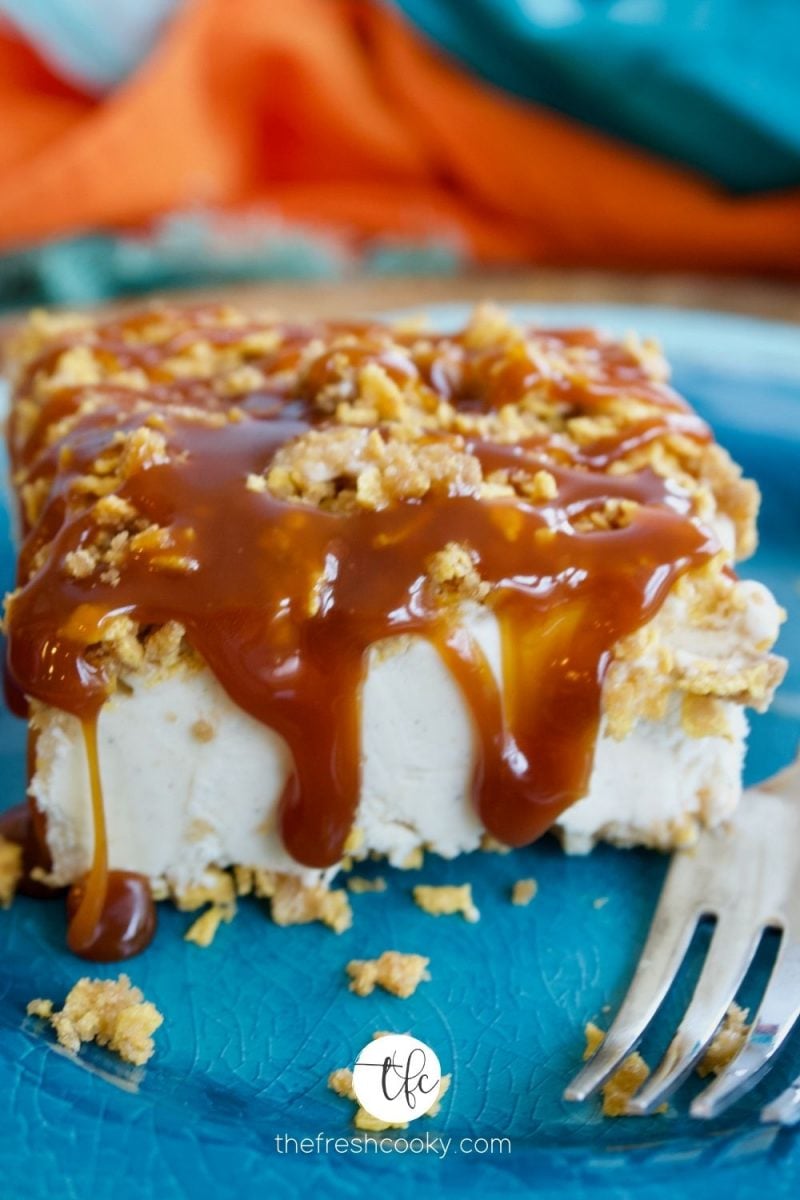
175,803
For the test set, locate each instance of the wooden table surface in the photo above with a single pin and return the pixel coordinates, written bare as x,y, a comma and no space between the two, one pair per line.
756,297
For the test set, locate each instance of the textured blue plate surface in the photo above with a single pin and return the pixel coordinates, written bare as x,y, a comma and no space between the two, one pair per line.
255,1023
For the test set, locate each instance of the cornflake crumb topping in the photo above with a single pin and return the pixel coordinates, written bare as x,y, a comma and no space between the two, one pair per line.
10,870
110,1012
345,469
447,900
523,891
726,1043
398,973
386,435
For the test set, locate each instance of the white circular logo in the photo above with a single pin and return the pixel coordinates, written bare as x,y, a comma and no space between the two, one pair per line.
396,1078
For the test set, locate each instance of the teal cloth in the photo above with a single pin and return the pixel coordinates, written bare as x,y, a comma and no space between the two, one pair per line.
196,249
713,84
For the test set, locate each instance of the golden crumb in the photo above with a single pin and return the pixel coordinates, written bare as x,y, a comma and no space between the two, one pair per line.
414,860
244,880
110,1012
625,1081
10,870
489,325
217,887
357,884
203,931
600,902
446,901
346,468
704,716
645,672
594,1039
294,903
542,487
490,845
523,891
340,1081
454,574
218,891
354,841
398,973
726,1043
614,514
40,1008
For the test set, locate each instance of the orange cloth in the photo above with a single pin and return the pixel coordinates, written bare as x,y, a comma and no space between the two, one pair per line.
337,113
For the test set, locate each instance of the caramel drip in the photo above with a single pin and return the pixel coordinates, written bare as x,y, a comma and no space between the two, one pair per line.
111,913
283,601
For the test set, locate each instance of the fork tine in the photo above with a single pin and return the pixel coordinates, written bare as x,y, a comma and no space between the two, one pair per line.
776,1016
785,1108
665,949
729,956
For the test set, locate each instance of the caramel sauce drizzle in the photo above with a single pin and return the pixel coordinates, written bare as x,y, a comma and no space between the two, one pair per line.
562,597
111,913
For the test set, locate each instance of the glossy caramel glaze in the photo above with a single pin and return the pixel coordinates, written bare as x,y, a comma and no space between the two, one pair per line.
283,599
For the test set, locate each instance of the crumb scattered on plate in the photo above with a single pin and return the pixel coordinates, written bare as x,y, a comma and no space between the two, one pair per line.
292,902
40,1008
726,1043
626,1080
490,845
400,974
523,891
594,1039
358,884
447,900
341,1082
219,893
10,870
110,1012
203,931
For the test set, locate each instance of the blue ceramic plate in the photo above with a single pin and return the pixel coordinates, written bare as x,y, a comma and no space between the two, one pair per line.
255,1023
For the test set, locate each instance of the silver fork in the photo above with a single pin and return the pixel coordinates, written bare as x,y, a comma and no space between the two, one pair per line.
746,876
